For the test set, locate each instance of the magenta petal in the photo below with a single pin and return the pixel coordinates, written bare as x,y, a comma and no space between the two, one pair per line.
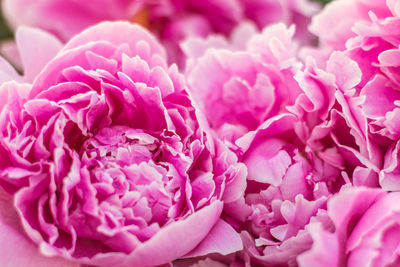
273,126
379,98
222,239
331,246
389,178
373,219
267,163
182,236
235,189
346,71
347,207
16,248
325,249
8,93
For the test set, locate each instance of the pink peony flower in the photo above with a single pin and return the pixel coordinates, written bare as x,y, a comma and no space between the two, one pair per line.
288,185
171,20
269,81
108,159
367,86
346,126
363,230
240,88
367,76
279,118
340,16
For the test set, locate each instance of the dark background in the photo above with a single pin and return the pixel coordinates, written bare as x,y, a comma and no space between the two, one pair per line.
5,31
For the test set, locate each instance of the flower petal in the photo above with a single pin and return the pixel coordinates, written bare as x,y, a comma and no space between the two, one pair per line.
16,248
36,48
177,236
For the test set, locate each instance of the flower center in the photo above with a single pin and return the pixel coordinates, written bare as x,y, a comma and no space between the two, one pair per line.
124,172
120,146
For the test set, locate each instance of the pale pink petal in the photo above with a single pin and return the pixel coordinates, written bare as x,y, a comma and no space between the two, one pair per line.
9,49
235,188
7,72
346,71
325,249
140,41
222,239
340,29
36,49
394,6
196,226
389,177
267,163
379,97
349,206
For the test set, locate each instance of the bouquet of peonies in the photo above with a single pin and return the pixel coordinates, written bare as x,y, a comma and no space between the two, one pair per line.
200,133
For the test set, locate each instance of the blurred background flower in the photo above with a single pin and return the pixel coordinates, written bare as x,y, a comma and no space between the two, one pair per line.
171,21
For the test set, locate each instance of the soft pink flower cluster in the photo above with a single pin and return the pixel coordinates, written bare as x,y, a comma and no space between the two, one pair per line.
170,20
260,151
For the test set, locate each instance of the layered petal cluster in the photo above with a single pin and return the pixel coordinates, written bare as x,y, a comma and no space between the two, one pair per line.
108,158
276,115
332,119
363,229
366,72
240,85
288,185
171,20
341,16
253,157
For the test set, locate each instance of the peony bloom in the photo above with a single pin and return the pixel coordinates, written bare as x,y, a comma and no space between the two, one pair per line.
107,157
341,16
171,20
347,127
281,120
240,87
288,185
362,230
367,76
